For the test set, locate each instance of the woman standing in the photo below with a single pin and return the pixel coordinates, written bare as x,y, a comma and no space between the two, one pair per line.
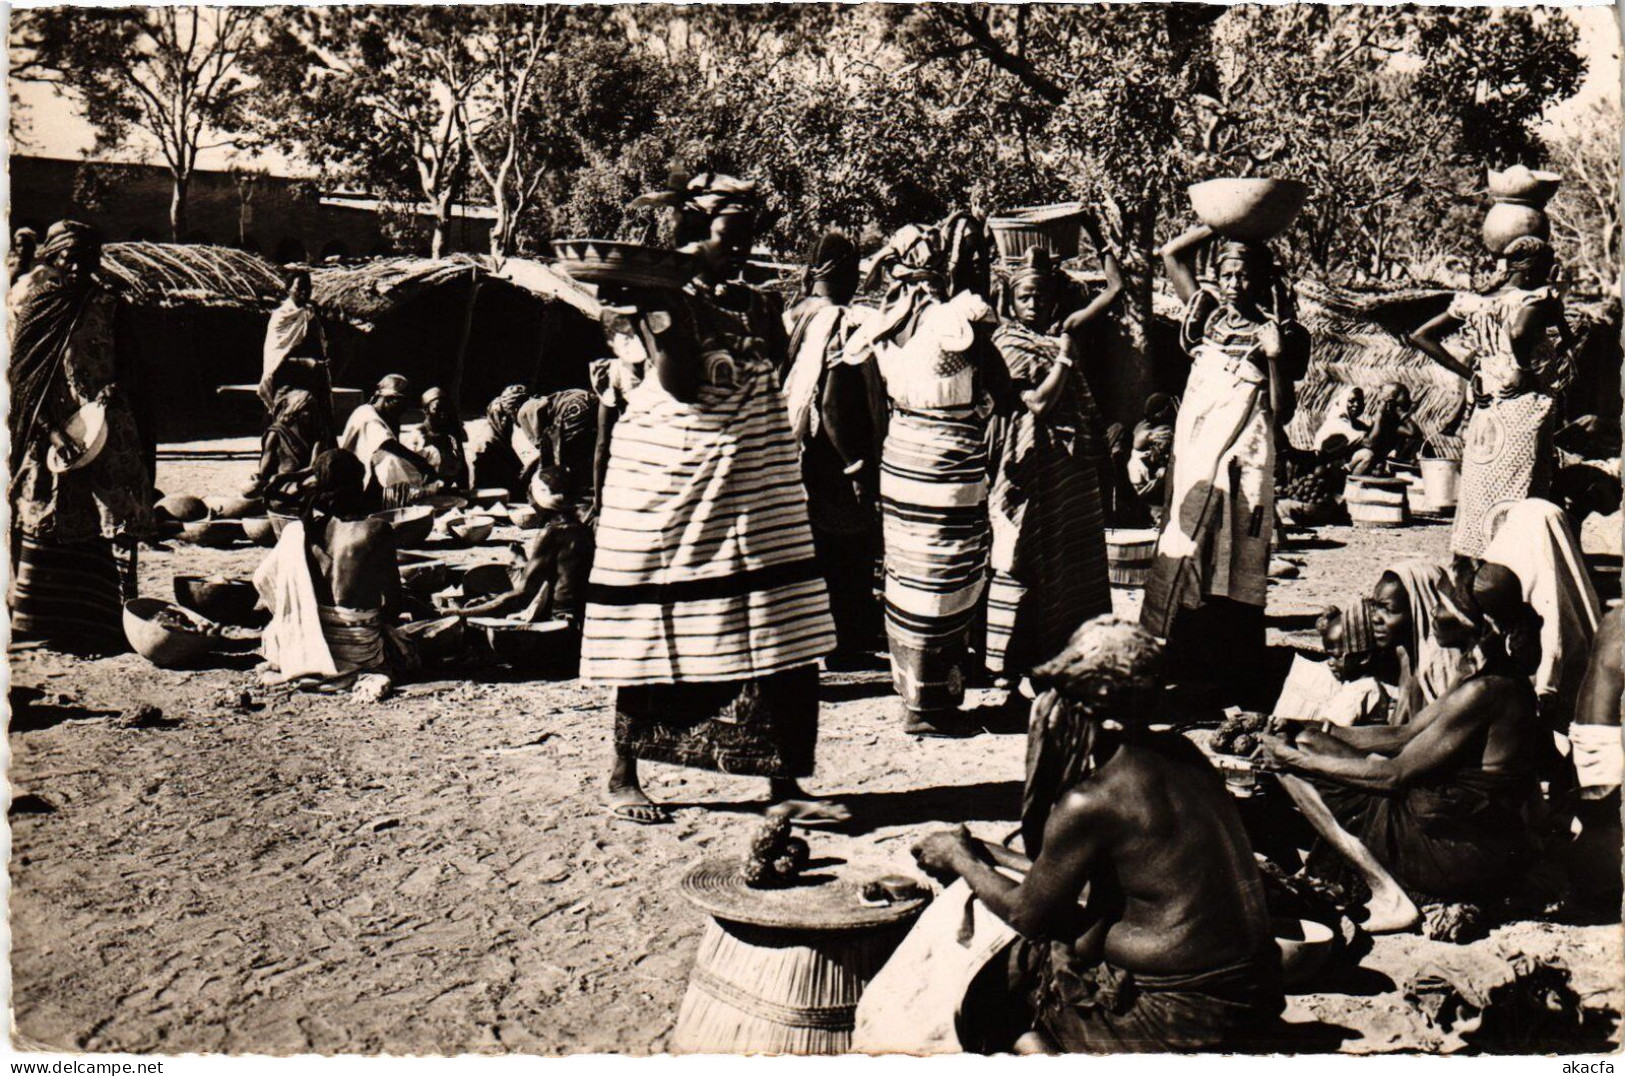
1211,573
65,590
1515,367
1048,522
706,610
942,379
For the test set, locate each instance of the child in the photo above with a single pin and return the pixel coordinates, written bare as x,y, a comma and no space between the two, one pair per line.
1345,632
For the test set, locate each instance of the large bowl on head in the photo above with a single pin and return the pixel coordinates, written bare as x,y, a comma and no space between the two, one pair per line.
222,600
166,646
1305,945
629,265
1507,222
261,530
1252,209
412,524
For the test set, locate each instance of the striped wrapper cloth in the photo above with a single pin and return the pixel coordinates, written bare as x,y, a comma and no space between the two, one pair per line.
67,597
933,493
704,569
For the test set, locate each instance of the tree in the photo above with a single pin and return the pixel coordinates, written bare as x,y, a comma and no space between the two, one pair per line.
1585,214
172,74
373,96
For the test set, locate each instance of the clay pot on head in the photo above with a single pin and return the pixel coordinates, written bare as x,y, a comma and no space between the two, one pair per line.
1519,184
1506,222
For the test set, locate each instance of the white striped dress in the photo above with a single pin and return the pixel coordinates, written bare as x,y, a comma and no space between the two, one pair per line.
704,569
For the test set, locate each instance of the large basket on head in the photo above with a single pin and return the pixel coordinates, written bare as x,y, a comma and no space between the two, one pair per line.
1053,227
628,265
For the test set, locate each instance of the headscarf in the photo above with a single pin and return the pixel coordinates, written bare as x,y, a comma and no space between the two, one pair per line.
450,426
1255,256
44,322
1528,252
1107,671
392,385
502,410
1355,617
295,420
834,255
1534,541
1435,668
65,234
1037,265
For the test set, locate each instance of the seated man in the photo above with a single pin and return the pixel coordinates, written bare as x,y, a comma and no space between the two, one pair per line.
393,475
334,589
1599,763
440,441
1433,808
549,579
1141,916
1394,434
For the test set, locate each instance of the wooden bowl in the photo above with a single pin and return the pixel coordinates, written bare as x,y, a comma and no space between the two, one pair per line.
445,502
425,575
1305,946
222,600
234,507
412,524
261,530
1250,209
183,507
520,644
523,516
471,529
167,646
490,498
214,533
484,580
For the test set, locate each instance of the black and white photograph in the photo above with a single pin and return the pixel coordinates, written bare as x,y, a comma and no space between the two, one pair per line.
814,529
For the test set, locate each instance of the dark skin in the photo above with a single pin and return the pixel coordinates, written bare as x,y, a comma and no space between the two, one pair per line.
1594,858
354,562
561,550
1240,289
1528,328
844,408
1033,302
1150,846
392,409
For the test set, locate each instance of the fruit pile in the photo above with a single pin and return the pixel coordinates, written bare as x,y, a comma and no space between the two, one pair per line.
1321,485
776,857
1239,735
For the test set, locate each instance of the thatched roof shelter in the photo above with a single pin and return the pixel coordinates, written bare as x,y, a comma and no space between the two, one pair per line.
364,294
173,275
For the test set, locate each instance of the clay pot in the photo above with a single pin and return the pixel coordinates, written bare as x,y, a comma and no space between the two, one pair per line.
1507,221
1519,184
1251,209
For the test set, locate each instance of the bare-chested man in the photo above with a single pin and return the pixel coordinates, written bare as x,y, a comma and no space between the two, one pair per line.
1142,917
1599,764
1437,803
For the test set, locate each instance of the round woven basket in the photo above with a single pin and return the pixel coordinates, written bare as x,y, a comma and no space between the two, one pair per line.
1054,227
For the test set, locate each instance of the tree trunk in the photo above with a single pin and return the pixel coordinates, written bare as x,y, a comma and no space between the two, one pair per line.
177,207
442,225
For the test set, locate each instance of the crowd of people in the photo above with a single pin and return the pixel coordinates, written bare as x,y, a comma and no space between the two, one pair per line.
745,491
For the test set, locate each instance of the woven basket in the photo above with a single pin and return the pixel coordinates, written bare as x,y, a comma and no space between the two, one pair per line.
761,990
1054,227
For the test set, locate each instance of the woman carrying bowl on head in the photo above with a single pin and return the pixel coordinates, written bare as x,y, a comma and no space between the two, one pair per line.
1211,572
1518,345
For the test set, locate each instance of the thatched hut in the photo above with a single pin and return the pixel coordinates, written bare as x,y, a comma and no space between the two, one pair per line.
190,319
458,322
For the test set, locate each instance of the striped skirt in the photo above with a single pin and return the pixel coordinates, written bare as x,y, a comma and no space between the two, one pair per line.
68,597
704,569
1058,579
933,496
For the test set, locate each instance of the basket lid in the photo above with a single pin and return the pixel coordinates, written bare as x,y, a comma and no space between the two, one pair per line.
819,901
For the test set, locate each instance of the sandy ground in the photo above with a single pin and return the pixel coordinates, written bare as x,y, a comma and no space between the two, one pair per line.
435,874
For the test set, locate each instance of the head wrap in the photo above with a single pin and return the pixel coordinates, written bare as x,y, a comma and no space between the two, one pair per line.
709,194
1109,668
25,239
1159,409
1036,265
835,254
66,234
1253,255
1355,618
1527,252
393,385
432,394
500,412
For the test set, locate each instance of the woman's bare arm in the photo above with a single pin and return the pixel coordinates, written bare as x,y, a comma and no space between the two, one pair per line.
1427,340
1179,261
